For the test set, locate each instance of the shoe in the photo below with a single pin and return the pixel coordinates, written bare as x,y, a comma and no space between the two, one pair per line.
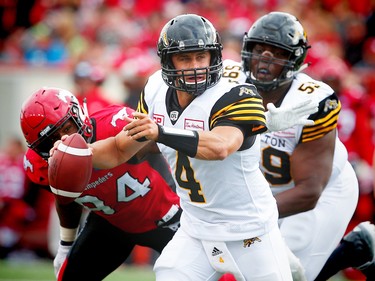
364,234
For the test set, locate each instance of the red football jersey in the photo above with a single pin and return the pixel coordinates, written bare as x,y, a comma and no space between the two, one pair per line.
354,126
134,196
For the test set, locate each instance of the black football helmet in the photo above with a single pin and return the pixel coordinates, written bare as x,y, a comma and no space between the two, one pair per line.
281,30
190,33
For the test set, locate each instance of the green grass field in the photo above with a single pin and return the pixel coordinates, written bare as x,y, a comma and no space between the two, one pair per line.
42,270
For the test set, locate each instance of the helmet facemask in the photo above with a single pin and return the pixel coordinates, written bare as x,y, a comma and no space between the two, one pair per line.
280,30
181,79
285,76
190,33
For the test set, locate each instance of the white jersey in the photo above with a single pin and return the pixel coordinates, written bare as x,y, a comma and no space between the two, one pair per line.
222,200
277,147
311,235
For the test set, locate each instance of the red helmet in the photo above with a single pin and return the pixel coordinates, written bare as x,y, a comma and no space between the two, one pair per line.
46,111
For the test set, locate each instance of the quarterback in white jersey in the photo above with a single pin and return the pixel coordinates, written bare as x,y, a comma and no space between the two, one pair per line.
315,187
230,218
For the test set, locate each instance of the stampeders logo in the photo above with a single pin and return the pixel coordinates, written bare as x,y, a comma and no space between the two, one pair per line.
99,181
159,119
27,164
119,116
196,125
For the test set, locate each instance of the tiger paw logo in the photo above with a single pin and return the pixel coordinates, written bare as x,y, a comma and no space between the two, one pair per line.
248,242
330,105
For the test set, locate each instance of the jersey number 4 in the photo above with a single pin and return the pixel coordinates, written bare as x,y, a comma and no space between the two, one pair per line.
128,188
186,179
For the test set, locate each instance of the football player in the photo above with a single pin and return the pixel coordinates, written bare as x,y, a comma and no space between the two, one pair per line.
315,187
230,214
131,204
208,129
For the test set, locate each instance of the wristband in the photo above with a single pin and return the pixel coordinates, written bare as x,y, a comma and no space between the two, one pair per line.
68,234
185,141
65,243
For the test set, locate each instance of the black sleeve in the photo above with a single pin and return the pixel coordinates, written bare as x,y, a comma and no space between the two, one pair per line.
241,107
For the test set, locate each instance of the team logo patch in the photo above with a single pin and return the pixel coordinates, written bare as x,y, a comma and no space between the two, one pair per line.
119,116
330,104
159,119
246,91
27,164
251,241
173,115
196,125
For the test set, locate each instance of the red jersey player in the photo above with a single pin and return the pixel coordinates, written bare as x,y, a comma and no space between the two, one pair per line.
131,204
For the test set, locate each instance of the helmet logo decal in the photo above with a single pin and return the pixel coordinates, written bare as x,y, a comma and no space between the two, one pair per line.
165,39
63,94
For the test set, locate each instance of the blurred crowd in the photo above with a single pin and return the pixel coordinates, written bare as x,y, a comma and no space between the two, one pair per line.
92,38
25,207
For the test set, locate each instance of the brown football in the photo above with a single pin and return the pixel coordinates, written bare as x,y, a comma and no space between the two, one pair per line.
70,168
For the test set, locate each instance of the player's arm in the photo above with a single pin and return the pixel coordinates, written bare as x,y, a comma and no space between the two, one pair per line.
311,167
69,216
111,152
216,144
237,115
311,162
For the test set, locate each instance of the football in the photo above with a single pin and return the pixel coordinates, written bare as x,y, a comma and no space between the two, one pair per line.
70,168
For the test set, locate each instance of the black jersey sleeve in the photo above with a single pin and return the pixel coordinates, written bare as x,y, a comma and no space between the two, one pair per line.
241,107
325,119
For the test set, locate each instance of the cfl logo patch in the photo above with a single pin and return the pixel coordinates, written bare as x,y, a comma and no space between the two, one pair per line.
173,115
248,242
246,91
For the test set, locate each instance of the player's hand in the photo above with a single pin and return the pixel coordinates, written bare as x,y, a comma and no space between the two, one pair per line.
141,127
60,257
56,144
279,119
